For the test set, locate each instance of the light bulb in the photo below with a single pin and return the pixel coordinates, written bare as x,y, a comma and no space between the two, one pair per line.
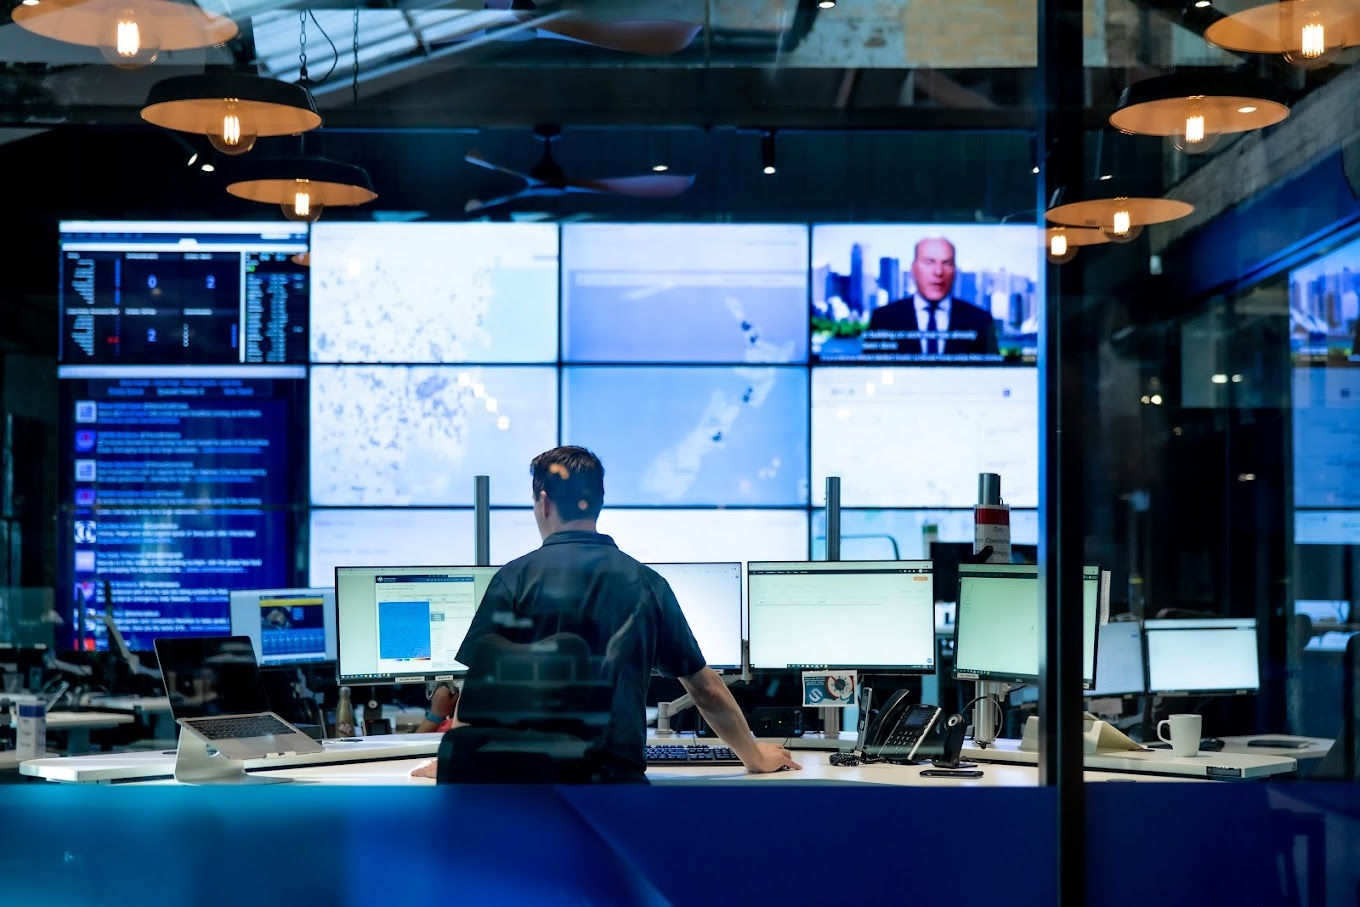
127,42
1198,126
303,205
1121,227
660,168
1311,32
232,130
1060,251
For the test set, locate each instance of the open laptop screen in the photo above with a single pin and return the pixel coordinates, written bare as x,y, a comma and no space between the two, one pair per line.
211,675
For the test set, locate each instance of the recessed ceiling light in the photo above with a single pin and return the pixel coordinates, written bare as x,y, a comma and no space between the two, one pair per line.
1107,176
1034,170
660,168
1246,109
827,4
1200,4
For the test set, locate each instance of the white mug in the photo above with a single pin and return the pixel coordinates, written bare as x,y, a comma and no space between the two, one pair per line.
1184,733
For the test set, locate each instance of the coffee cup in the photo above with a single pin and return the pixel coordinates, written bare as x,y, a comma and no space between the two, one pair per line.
1182,732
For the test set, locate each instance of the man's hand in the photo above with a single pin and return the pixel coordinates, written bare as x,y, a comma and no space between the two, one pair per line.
426,769
770,757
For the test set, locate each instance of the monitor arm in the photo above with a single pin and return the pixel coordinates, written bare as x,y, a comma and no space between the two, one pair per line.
666,710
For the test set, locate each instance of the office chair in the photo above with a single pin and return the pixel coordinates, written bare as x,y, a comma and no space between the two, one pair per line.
533,713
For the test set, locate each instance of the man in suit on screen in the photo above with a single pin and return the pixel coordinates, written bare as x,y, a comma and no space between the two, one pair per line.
948,326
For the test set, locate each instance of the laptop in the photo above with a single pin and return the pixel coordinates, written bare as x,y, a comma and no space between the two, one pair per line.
216,691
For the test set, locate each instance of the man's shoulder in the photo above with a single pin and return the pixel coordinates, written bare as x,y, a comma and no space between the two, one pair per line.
898,310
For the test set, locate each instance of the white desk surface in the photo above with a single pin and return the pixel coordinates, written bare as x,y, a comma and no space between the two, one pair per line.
142,765
1221,764
816,769
1309,747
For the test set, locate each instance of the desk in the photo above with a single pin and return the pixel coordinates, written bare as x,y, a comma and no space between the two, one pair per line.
147,765
1219,766
155,709
816,770
77,726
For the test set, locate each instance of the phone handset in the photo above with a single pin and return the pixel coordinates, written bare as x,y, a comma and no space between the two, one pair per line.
900,729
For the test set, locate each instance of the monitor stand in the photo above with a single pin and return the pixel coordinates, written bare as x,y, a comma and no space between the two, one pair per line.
197,761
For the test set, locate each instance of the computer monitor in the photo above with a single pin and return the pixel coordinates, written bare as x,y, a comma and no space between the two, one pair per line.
867,615
996,629
286,626
1120,671
404,624
1189,656
710,597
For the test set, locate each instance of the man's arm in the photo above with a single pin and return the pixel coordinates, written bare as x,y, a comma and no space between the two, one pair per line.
714,701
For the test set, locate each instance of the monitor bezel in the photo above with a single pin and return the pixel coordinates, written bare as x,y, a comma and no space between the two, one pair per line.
914,565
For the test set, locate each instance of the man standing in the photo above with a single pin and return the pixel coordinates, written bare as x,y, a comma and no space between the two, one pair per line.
580,583
947,326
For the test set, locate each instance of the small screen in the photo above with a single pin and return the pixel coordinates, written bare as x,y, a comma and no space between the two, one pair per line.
710,597
404,624
996,631
1120,671
286,626
842,614
1211,655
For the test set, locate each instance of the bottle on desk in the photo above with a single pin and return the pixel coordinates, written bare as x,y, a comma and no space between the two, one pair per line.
344,715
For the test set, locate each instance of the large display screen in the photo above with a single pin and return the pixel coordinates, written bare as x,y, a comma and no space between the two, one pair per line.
177,485
425,292
920,436
926,293
709,435
684,293
144,293
418,435
1324,308
1326,421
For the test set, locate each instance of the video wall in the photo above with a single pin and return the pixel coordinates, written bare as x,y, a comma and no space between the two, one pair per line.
252,405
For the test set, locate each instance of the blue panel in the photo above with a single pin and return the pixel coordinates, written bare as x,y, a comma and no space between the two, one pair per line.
699,435
684,293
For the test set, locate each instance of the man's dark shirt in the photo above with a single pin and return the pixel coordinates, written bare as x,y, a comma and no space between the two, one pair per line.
580,582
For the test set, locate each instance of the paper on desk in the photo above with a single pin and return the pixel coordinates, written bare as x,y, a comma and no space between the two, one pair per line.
829,689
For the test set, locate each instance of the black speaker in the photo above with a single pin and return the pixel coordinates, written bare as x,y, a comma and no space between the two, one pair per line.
952,730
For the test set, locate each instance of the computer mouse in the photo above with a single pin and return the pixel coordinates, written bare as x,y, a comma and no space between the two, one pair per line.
1211,744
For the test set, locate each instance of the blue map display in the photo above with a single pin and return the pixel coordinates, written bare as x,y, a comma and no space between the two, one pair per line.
700,435
403,630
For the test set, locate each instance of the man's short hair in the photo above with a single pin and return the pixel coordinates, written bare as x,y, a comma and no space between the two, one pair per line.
573,477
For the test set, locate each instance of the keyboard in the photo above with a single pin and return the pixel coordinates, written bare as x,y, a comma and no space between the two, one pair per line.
239,727
691,754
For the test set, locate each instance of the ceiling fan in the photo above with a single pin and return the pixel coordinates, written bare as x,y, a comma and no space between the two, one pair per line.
547,179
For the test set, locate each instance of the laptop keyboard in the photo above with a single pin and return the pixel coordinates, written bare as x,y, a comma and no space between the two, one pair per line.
693,754
240,727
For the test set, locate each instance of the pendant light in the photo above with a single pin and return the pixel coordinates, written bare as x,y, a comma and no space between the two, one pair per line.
129,33
1193,111
1117,208
1061,243
1308,33
232,109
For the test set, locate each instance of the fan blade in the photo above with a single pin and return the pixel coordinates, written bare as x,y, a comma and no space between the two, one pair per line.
661,185
651,37
474,204
475,157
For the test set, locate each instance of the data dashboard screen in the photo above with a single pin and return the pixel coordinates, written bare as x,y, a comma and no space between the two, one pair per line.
841,614
177,484
1208,655
921,435
926,294
733,293
434,292
710,597
692,436
996,627
182,292
405,624
386,435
